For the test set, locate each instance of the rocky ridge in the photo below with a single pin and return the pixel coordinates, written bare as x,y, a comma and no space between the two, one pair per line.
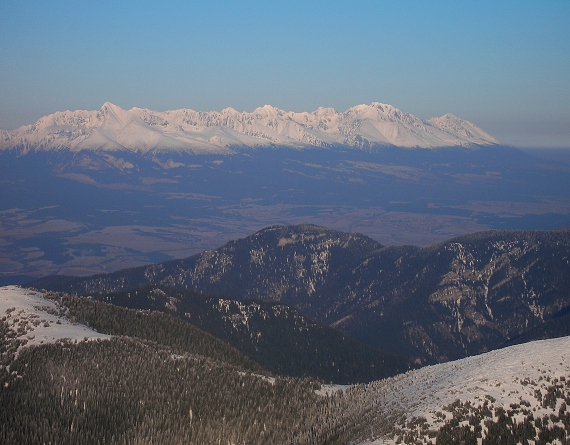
141,130
462,297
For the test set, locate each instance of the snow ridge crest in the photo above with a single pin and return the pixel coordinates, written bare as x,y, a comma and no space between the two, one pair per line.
142,130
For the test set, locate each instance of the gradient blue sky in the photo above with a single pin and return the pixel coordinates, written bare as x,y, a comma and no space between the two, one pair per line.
504,65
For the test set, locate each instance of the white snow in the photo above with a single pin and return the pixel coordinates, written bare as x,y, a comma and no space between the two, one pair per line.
270,380
508,375
38,318
142,130
330,389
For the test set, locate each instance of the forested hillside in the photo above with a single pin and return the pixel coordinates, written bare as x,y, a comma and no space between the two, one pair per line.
152,326
465,296
275,335
124,391
168,382
158,380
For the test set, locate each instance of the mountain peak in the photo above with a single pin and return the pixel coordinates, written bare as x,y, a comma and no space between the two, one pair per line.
108,106
138,129
381,106
267,110
461,128
447,117
321,111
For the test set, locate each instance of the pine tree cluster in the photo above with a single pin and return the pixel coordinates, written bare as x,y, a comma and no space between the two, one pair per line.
166,382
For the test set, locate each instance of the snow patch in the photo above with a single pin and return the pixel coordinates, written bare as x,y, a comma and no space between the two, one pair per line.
36,319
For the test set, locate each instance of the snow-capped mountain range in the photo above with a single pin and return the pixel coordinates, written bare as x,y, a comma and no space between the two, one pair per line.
143,130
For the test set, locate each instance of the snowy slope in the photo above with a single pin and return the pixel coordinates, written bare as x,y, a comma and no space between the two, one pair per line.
142,130
502,378
35,319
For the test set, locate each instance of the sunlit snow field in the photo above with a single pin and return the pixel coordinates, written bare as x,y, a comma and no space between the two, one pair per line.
504,377
37,319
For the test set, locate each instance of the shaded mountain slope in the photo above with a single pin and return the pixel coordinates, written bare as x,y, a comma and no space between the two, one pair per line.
153,326
557,326
461,297
280,263
157,379
274,335
153,387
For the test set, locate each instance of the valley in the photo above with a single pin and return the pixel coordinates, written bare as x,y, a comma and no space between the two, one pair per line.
89,212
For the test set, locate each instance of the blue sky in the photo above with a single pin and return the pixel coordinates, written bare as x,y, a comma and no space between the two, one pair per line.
504,65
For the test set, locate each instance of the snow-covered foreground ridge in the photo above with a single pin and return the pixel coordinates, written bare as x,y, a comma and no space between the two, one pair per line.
34,319
142,130
528,379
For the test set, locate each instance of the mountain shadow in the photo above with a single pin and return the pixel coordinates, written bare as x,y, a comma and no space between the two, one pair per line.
457,298
276,336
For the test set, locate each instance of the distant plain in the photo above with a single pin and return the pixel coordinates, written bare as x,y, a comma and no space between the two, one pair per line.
89,212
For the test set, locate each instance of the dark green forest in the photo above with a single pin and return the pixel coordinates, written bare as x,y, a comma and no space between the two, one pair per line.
277,336
160,380
465,296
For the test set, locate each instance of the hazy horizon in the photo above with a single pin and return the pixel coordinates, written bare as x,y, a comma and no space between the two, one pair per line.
502,66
